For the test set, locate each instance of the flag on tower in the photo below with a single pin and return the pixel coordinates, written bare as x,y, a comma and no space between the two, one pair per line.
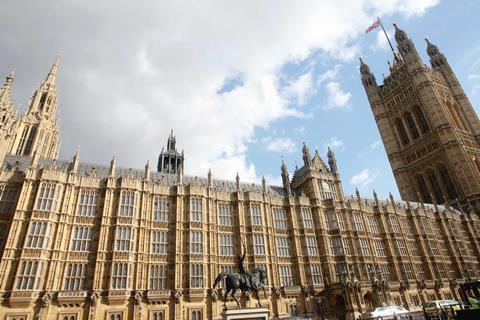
374,25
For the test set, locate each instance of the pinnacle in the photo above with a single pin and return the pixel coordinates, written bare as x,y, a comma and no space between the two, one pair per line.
51,77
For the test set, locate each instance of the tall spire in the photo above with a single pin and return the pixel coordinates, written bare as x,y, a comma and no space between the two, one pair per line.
52,75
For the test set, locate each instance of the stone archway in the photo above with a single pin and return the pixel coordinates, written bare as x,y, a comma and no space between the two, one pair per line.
370,300
340,307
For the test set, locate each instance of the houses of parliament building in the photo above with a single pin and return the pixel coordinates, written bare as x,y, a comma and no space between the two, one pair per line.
82,241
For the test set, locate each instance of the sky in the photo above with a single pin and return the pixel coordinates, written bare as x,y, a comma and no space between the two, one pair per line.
241,83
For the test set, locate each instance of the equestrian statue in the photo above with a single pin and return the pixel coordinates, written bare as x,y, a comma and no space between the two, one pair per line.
243,280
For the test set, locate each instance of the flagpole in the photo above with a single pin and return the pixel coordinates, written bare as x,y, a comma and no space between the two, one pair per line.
386,35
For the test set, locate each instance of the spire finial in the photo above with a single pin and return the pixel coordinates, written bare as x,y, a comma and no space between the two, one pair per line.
11,75
51,77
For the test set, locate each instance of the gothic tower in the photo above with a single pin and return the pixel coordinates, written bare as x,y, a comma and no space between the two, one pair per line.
170,160
8,116
428,127
37,131
315,178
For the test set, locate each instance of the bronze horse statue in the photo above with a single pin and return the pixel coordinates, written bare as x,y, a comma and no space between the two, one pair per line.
247,281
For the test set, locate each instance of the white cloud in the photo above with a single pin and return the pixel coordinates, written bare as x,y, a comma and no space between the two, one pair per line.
279,144
408,8
375,144
299,90
474,76
330,74
334,144
337,98
364,178
133,71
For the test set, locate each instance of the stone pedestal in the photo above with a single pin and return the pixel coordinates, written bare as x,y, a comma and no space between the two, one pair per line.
246,314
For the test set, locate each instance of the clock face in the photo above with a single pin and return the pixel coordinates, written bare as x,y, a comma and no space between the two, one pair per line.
325,185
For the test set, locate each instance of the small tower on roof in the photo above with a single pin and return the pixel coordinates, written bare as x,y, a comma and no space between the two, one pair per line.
170,160
38,129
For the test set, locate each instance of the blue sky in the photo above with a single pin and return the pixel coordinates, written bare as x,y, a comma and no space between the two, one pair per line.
242,83
351,129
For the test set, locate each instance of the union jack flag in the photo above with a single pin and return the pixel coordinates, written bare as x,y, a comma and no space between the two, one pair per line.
373,26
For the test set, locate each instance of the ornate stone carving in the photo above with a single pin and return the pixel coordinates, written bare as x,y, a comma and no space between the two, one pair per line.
278,291
177,294
46,299
421,285
214,295
138,297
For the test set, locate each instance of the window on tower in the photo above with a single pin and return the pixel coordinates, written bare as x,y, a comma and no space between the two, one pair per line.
42,101
31,138
422,187
448,182
402,132
422,121
22,140
412,127
437,191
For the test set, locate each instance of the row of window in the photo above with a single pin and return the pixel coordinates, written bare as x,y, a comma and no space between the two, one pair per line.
76,274
40,233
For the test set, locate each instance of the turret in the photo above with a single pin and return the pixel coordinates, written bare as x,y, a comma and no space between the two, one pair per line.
370,85
113,167
468,117
180,176
307,159
209,178
170,160
147,171
437,59
368,79
406,47
286,179
171,141
332,162
75,162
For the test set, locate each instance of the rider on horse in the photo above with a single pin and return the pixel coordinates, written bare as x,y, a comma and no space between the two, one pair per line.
246,275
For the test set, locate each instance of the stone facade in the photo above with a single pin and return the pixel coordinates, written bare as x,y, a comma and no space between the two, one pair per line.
84,241
430,130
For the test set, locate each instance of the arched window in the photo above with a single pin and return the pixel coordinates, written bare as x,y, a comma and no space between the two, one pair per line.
31,138
447,182
23,138
42,101
401,130
412,127
196,315
422,121
422,188
457,117
437,191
